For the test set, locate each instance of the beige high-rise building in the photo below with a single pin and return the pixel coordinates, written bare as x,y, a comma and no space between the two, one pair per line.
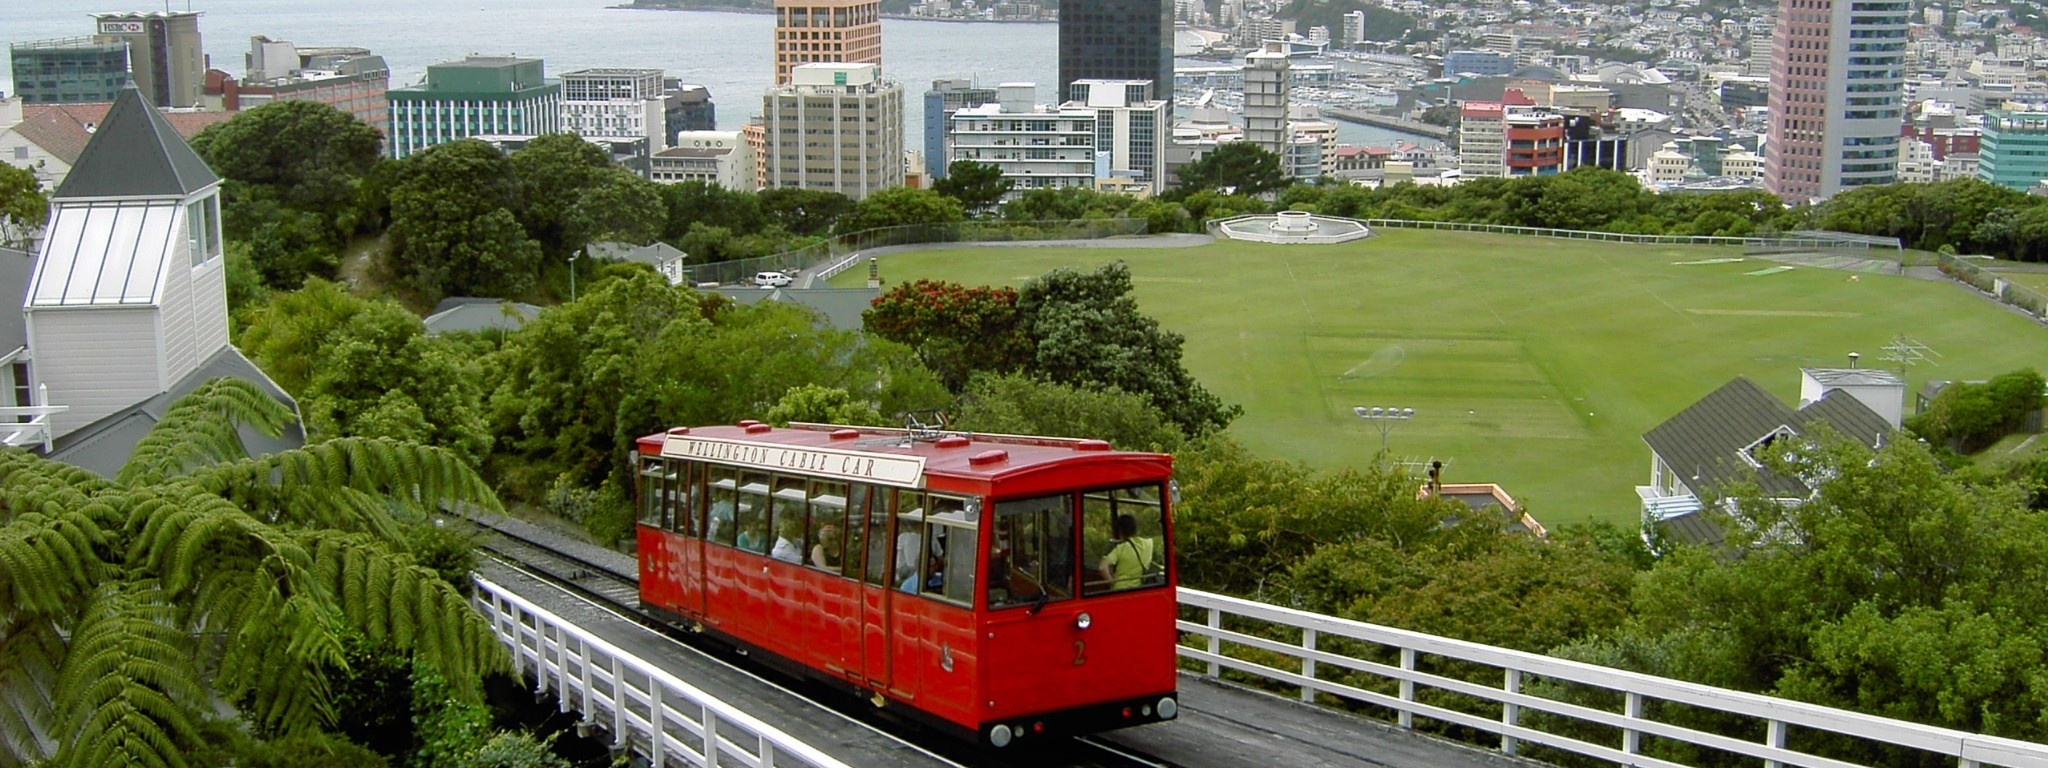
826,31
164,56
835,128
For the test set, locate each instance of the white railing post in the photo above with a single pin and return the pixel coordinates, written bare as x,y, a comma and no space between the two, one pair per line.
561,670
1632,739
657,725
710,727
1407,716
589,681
1308,665
1776,738
1215,641
1510,714
619,699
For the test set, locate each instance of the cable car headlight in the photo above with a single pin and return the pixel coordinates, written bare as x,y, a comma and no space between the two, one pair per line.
999,736
1168,708
1082,621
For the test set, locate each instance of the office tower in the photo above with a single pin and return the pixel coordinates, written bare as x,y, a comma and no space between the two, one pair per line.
834,127
1267,80
69,71
826,31
1535,142
164,55
498,96
2014,149
1116,40
1132,128
1482,139
621,104
1836,97
947,96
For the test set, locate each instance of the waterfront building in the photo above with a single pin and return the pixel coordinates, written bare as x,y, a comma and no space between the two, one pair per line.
69,71
712,157
947,96
498,96
1482,139
165,59
1354,27
1116,40
1256,33
616,104
1306,121
349,79
826,31
2013,150
1266,84
1836,101
1034,145
687,107
834,127
1132,128
1482,63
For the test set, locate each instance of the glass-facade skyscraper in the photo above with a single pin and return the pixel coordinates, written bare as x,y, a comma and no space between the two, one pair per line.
1116,40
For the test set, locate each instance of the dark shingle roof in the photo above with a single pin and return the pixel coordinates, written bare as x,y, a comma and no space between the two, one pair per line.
840,308
1704,443
479,316
104,445
1692,528
135,153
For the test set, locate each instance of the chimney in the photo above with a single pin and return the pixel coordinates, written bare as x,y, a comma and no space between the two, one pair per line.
1853,357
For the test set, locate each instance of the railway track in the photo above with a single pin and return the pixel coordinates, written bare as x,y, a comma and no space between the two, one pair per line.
529,549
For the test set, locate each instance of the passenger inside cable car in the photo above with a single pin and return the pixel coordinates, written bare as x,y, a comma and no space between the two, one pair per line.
825,553
789,537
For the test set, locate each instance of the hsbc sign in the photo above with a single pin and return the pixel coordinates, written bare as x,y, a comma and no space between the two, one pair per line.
122,28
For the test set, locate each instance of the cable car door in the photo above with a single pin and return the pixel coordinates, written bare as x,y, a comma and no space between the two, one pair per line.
689,521
875,583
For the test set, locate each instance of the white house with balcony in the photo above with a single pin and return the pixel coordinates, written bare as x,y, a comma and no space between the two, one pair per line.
124,307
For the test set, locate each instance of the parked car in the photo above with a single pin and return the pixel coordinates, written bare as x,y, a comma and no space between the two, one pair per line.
772,279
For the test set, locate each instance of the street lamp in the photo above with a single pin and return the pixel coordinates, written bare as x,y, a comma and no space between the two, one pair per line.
572,274
1384,418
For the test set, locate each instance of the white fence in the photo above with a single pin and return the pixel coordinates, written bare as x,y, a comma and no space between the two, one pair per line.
1638,693
1822,240
648,710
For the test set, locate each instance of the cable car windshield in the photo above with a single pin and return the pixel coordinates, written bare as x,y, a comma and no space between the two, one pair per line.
1034,556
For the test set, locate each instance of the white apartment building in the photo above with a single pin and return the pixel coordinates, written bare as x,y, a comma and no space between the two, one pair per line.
1132,129
1482,139
712,157
1266,82
834,127
616,104
1035,146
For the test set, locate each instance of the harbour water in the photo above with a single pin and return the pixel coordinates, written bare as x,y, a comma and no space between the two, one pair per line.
730,53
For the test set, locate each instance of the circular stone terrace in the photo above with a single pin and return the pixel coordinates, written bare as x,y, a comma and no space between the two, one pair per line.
1288,227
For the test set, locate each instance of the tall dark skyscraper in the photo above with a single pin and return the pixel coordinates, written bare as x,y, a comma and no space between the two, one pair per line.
1117,40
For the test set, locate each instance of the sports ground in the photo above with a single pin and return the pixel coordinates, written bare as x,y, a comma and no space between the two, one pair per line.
1534,363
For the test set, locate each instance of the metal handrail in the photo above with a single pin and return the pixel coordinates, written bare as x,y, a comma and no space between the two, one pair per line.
1637,689
583,669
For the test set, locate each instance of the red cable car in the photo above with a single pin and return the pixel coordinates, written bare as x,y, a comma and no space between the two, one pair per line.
996,587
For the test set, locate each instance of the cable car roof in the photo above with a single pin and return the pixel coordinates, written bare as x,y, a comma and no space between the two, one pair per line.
897,456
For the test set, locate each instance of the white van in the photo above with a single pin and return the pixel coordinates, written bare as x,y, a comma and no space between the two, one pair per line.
772,279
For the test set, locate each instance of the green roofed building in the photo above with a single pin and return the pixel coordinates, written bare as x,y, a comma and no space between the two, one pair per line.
480,96
2014,148
76,70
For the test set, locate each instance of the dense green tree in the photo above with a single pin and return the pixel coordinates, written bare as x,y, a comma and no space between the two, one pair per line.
1967,417
1020,405
366,368
1209,205
955,330
1086,330
1239,166
1065,203
1162,216
708,244
453,227
978,186
310,155
822,405
696,202
807,212
23,208
900,206
571,195
197,575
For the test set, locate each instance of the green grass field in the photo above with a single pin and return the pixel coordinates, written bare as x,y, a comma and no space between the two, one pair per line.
1531,362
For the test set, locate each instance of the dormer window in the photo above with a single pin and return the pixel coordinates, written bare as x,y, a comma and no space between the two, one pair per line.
202,227
1753,455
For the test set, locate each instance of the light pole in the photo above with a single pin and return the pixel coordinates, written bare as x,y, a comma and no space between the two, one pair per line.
572,274
1384,418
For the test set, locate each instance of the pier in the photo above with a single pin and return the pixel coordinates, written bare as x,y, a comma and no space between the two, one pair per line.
1389,122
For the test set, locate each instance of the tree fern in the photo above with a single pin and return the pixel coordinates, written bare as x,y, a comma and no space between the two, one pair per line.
115,595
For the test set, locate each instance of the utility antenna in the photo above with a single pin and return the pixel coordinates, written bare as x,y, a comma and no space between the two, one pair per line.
1905,353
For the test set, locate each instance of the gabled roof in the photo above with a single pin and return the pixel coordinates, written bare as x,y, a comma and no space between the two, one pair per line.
104,445
478,315
1704,443
1854,377
135,153
653,255
63,130
840,308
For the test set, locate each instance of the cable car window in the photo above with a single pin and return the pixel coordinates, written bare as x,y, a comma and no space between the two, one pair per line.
951,546
910,569
723,490
827,540
1124,539
651,474
1031,551
752,514
787,520
856,530
681,515
877,533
